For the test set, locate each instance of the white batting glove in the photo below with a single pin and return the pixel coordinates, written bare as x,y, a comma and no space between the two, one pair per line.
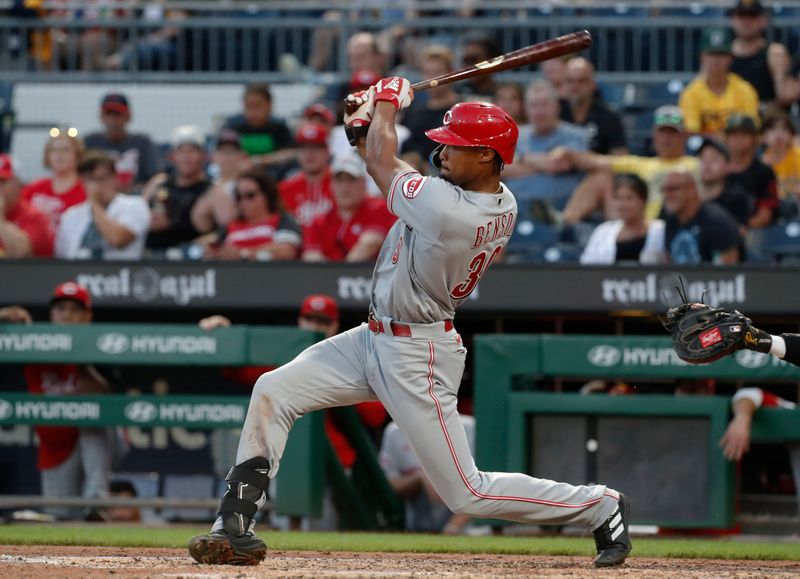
396,90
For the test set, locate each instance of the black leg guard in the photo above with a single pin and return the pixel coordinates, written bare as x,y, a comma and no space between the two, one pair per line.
247,488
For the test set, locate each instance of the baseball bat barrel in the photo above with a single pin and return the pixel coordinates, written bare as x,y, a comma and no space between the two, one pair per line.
553,48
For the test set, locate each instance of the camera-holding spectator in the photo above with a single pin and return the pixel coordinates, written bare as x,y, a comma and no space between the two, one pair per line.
669,142
136,156
425,510
24,230
265,139
718,188
229,159
748,172
716,93
632,237
426,114
109,224
354,229
73,462
510,96
765,65
782,154
307,195
534,173
55,194
696,232
584,108
261,230
186,205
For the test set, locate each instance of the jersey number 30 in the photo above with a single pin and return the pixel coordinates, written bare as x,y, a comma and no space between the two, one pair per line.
477,267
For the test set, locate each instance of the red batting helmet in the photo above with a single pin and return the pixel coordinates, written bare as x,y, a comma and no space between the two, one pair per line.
475,124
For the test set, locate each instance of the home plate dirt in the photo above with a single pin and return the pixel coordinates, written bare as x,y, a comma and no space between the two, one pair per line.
73,562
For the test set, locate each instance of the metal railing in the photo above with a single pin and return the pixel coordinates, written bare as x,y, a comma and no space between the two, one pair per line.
277,44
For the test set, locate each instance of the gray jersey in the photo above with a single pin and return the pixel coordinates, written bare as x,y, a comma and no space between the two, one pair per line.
443,242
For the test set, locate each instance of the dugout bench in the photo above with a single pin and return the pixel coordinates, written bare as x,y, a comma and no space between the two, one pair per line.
661,450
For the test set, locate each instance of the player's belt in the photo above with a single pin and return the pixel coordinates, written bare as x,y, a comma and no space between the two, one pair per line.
400,329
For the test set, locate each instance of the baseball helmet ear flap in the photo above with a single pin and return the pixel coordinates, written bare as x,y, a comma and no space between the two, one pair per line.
434,157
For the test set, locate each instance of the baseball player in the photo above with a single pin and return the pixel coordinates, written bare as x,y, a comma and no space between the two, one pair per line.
409,355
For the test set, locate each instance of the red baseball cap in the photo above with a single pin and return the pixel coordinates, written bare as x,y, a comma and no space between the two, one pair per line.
6,167
312,134
115,103
320,306
72,291
363,79
319,110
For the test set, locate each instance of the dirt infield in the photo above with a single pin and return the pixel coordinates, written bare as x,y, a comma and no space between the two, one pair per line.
71,562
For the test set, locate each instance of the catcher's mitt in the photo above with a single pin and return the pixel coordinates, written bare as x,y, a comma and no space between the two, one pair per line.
702,334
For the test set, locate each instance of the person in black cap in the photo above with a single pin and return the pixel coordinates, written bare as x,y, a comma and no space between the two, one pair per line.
717,188
764,65
747,170
135,155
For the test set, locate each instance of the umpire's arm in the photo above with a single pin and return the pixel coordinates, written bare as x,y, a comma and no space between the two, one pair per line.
380,148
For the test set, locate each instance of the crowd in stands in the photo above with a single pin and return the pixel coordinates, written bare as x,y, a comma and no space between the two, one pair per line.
724,157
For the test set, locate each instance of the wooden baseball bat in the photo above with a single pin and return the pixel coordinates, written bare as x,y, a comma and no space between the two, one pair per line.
541,51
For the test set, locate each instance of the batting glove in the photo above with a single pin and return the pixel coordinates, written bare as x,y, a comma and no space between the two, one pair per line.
396,90
358,110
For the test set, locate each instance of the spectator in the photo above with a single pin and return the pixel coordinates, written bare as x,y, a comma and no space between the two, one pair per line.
426,114
24,230
265,139
717,187
185,205
554,71
696,232
669,142
124,490
136,156
319,113
764,65
716,93
54,195
109,224
749,172
307,195
73,462
476,48
229,160
364,54
425,510
584,107
632,237
510,96
355,228
262,230
782,154
534,175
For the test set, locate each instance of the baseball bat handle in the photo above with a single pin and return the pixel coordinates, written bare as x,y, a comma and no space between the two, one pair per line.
546,50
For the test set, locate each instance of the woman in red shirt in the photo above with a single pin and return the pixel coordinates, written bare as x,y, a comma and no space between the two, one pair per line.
262,229
55,194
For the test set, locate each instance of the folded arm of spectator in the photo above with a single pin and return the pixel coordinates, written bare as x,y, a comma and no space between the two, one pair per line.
761,218
214,208
367,247
15,315
14,240
409,484
116,234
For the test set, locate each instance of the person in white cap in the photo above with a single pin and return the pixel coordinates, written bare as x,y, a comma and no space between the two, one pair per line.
186,205
354,229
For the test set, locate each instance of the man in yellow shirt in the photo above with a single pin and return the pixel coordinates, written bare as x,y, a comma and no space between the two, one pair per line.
716,92
669,143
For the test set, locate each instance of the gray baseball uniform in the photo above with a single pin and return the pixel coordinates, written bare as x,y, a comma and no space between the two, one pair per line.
410,358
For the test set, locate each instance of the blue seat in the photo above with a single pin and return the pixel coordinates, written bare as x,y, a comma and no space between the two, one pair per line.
781,242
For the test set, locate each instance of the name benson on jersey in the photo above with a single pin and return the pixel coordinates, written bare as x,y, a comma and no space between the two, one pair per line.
500,226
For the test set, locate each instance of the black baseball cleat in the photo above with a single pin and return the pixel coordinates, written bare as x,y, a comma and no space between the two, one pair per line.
221,548
611,538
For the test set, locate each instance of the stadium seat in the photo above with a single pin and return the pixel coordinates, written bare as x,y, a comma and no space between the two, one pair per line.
781,242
